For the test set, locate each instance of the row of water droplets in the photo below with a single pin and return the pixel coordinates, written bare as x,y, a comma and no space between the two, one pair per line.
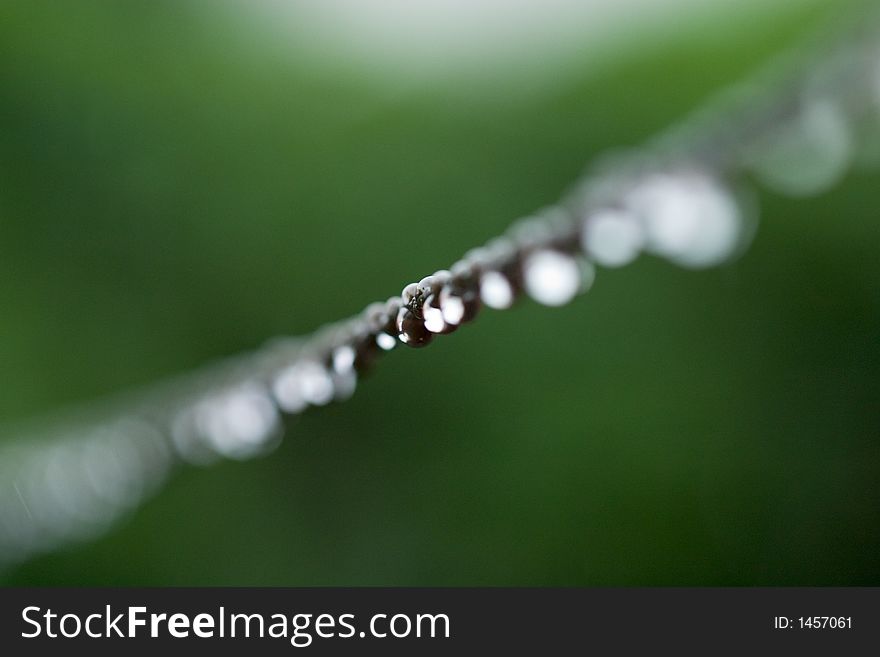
690,218
674,200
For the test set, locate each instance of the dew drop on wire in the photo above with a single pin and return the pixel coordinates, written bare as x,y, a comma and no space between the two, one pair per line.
612,237
287,392
688,218
459,303
241,422
806,155
496,290
412,330
385,341
551,277
343,359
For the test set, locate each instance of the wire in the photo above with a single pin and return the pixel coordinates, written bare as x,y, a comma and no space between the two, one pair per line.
683,197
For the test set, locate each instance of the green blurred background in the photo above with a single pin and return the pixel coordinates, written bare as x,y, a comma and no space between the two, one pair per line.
180,184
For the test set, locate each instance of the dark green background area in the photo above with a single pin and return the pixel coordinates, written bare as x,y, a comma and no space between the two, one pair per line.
173,190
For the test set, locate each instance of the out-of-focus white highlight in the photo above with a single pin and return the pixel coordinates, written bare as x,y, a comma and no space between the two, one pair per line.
808,154
453,310
530,46
315,383
434,321
343,359
612,238
71,489
238,423
495,290
386,342
689,218
287,392
344,385
343,377
551,278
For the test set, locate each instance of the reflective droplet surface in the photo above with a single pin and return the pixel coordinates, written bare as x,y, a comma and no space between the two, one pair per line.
551,277
375,316
315,383
475,259
530,232
344,386
411,328
343,359
187,439
386,336
366,352
392,308
238,423
431,285
433,317
459,303
385,341
343,375
496,290
409,293
303,383
453,310
807,155
612,237
287,392
689,218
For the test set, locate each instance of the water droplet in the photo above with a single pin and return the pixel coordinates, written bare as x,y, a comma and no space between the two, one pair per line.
409,293
343,359
287,392
807,155
386,342
496,290
689,218
366,351
453,309
551,277
459,300
239,423
315,384
612,237
411,329
433,316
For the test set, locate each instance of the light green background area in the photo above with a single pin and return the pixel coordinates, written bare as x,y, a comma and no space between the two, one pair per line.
172,191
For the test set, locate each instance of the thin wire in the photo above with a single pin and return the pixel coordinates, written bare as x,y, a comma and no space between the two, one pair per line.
676,198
